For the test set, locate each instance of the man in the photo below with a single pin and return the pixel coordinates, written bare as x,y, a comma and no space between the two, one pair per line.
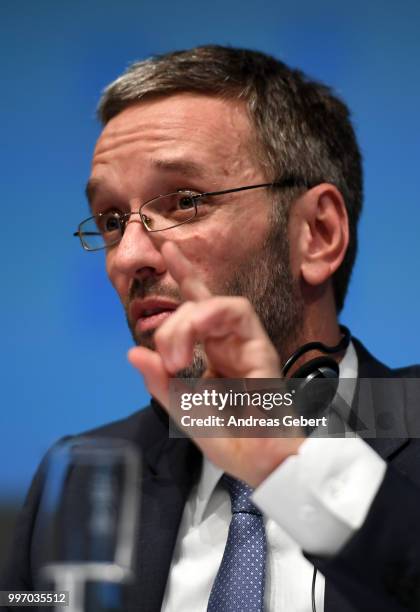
229,285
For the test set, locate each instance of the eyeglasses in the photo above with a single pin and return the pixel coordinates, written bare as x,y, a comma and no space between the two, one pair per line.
158,214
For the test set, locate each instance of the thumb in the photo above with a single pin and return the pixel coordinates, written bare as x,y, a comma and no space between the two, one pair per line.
150,365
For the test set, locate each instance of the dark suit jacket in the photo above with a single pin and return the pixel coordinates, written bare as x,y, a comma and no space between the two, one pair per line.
378,569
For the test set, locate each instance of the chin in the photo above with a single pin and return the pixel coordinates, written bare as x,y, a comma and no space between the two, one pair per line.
146,339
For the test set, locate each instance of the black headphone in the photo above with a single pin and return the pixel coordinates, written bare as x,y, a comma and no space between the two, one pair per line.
321,367
315,399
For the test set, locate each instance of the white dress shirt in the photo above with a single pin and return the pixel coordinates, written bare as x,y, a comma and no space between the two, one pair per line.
313,501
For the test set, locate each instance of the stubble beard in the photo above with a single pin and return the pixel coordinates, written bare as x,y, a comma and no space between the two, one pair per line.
266,281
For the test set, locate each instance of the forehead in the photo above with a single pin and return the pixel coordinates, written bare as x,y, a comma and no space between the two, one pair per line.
204,129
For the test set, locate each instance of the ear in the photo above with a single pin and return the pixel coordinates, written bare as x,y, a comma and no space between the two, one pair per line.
320,232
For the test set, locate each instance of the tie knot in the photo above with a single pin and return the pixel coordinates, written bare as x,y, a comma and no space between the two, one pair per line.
240,494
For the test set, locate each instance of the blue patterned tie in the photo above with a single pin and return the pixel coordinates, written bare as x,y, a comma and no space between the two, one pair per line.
239,584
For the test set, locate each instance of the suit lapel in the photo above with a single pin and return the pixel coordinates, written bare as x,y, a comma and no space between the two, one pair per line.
386,401
380,402
170,467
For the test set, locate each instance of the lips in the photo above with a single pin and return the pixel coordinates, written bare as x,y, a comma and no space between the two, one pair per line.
150,313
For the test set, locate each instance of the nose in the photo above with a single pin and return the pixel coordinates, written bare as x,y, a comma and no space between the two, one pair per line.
137,255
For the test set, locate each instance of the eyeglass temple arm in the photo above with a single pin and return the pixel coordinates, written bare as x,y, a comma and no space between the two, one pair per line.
79,233
287,182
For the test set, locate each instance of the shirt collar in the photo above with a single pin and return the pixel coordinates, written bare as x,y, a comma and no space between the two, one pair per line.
210,476
348,372
348,366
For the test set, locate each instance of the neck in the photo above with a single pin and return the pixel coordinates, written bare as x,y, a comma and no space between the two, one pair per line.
320,323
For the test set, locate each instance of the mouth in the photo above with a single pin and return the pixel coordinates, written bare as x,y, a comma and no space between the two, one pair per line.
148,314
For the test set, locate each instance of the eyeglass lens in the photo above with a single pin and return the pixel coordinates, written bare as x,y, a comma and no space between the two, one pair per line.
158,214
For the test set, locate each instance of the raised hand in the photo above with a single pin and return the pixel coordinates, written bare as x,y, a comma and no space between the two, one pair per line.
235,345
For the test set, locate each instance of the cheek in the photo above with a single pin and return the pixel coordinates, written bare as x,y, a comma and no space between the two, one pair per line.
202,250
216,254
118,281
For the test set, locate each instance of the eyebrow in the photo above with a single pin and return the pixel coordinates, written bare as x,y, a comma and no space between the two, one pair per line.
183,166
180,166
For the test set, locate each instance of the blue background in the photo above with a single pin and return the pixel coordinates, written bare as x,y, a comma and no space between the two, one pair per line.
63,334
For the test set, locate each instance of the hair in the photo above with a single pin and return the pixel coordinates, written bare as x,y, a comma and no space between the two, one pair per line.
302,128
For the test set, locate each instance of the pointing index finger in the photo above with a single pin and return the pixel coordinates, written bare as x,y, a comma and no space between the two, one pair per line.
192,288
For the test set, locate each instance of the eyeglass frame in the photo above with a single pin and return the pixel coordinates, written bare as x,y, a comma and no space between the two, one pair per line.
286,182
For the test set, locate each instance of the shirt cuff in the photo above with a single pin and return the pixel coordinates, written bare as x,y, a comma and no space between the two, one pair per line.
322,495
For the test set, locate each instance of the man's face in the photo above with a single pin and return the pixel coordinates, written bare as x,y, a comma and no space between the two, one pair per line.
201,143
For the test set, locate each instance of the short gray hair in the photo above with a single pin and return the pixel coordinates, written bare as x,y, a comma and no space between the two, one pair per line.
302,128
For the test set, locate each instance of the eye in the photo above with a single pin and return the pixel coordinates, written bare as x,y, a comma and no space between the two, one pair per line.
185,202
112,223
109,222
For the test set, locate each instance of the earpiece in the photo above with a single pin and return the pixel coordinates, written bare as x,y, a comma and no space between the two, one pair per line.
315,398
318,346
